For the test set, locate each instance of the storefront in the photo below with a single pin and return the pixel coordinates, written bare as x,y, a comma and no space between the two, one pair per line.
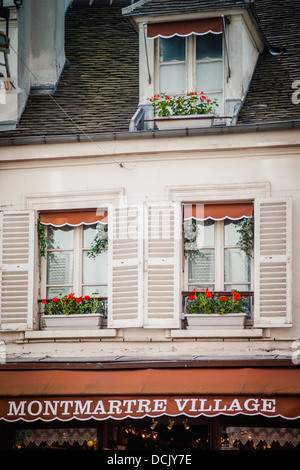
170,408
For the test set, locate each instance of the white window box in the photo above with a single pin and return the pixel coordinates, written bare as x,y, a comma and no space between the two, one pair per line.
212,321
72,322
176,122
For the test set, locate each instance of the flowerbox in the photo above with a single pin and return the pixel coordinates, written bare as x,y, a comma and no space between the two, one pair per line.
214,320
70,312
72,322
184,122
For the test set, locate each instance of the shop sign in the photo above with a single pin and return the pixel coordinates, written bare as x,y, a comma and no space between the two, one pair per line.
84,408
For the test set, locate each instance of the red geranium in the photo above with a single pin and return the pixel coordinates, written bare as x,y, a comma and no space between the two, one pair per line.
208,294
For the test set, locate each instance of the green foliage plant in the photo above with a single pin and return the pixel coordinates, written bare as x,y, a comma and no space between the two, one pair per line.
100,241
246,231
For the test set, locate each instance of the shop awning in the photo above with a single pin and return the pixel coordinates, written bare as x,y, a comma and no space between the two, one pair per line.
185,28
73,218
218,211
85,394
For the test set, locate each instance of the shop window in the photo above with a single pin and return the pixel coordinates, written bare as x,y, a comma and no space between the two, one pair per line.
64,439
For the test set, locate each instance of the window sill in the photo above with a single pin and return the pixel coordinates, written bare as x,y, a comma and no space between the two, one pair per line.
221,333
70,334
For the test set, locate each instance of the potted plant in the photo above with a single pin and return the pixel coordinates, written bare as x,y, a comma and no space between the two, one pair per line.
208,310
196,110
70,312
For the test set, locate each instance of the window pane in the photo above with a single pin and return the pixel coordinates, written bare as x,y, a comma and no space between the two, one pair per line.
237,266
172,78
238,287
172,49
205,233
209,46
60,238
94,291
202,267
94,270
58,292
231,236
60,267
89,233
209,76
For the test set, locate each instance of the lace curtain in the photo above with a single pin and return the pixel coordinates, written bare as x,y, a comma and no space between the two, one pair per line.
49,436
268,435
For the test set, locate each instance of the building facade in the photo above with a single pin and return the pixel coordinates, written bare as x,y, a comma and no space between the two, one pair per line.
105,213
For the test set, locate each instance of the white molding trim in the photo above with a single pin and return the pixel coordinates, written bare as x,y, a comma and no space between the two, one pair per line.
218,192
74,199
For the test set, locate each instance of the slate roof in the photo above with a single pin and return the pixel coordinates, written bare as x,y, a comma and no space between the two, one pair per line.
270,94
99,90
172,6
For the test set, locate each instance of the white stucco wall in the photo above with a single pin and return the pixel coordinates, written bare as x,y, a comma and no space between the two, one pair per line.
32,174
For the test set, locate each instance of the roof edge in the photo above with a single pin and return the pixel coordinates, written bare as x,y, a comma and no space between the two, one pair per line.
130,10
127,135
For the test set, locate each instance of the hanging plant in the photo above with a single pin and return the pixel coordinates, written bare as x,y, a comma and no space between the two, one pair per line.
42,239
100,241
246,231
189,234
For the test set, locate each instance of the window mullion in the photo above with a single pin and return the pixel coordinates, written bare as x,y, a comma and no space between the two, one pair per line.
77,268
190,63
219,256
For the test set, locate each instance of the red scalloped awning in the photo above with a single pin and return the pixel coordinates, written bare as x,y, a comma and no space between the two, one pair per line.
73,218
68,394
184,28
218,211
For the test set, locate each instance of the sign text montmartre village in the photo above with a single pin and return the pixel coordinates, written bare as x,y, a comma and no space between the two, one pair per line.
91,407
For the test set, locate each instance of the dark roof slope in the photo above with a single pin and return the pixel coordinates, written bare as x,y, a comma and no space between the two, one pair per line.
98,91
173,6
270,94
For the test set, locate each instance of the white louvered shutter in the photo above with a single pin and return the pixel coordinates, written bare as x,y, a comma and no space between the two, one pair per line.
125,266
162,270
272,272
16,269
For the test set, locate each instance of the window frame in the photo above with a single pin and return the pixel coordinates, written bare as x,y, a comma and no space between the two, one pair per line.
78,250
219,265
190,68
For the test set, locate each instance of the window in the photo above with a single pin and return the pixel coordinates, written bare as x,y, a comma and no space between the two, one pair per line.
219,264
69,265
69,268
216,258
192,63
172,61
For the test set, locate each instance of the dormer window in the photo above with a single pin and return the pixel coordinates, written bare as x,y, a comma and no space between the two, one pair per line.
190,51
190,57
